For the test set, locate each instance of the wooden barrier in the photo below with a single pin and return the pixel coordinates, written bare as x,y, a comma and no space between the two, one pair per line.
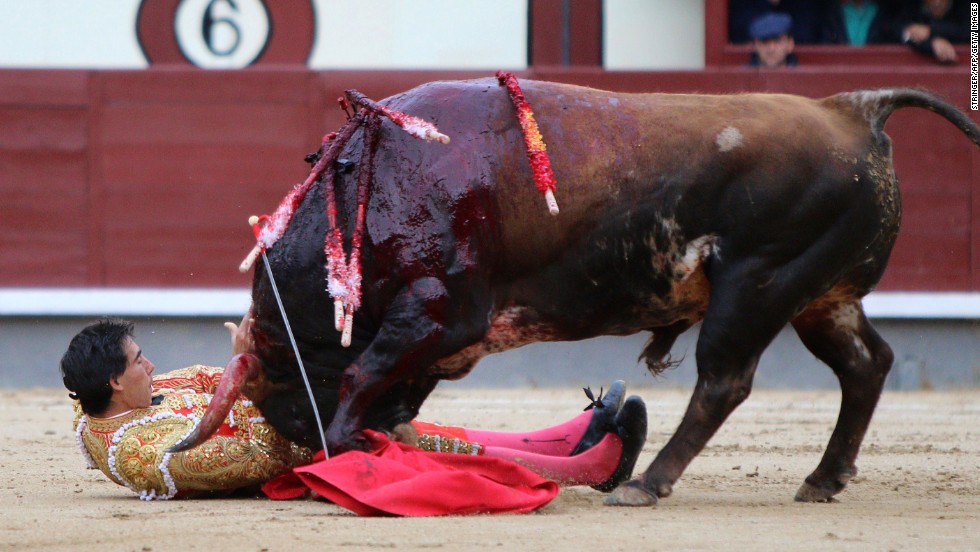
146,178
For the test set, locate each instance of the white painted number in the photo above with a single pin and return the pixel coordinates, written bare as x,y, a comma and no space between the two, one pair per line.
222,34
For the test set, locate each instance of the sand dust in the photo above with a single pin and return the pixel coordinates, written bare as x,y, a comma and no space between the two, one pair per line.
918,486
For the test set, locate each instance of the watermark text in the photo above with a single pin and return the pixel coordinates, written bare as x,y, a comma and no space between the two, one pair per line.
974,55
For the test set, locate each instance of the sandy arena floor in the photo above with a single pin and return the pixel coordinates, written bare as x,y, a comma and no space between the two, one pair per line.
918,488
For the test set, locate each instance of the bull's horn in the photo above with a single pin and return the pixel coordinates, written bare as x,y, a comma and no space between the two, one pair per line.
240,369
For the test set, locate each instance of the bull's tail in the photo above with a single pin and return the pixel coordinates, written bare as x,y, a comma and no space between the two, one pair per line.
877,105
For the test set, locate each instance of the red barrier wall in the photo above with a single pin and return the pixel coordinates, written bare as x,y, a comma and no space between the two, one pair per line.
146,178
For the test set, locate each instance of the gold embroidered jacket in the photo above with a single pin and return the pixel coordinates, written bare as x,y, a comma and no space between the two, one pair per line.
130,448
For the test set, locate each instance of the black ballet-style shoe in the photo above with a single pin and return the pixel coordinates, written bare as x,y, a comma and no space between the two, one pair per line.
631,426
604,410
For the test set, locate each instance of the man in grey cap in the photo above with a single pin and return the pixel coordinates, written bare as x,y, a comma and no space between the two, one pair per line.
772,41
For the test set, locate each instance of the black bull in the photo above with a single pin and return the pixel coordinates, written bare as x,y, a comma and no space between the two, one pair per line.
743,212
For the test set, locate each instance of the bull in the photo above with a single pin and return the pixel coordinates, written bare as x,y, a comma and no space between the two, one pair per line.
742,212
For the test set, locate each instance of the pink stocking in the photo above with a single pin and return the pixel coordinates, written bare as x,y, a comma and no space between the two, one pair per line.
588,468
553,441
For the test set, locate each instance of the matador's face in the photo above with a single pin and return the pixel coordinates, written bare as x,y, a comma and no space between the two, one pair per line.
134,387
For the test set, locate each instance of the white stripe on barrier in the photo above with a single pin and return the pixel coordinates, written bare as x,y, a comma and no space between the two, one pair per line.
230,302
123,302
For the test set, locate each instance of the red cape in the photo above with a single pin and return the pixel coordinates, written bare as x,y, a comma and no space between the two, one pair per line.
402,480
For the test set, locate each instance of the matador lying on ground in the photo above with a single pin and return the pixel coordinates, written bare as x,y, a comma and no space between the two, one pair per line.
126,419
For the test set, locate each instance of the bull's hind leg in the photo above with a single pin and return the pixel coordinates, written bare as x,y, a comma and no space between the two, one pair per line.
841,336
735,331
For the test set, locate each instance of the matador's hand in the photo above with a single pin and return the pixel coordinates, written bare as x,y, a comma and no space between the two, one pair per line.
241,334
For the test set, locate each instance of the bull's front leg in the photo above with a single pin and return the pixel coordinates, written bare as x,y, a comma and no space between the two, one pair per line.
408,342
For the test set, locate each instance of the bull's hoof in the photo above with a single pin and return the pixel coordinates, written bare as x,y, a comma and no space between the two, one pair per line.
357,440
405,433
814,490
631,493
812,493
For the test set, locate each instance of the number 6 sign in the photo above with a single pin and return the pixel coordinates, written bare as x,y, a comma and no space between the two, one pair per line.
225,34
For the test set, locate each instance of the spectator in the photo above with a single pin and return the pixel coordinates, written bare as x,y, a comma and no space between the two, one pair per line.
772,41
806,14
860,22
932,27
